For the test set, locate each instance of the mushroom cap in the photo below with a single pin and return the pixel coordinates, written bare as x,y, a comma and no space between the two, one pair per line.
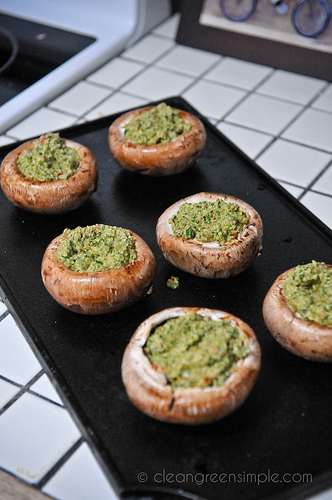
304,338
101,291
210,260
49,197
150,392
157,159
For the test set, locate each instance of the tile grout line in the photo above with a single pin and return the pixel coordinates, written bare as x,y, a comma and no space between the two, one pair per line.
143,69
275,137
278,136
313,182
112,89
57,466
153,63
4,315
26,389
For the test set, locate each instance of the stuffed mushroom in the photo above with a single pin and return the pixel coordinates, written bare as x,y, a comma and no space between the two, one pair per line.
210,235
298,310
98,269
156,140
190,365
49,175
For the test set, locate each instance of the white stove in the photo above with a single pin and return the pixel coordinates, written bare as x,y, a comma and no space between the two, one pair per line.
93,33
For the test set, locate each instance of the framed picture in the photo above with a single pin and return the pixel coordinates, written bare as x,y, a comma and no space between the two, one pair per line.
268,36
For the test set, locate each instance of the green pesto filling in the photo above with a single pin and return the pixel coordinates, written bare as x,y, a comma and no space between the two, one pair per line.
173,282
308,290
196,351
208,221
49,160
158,125
96,248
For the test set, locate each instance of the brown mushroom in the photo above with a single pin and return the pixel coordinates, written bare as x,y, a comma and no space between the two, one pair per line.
210,260
98,292
151,393
49,197
158,159
304,338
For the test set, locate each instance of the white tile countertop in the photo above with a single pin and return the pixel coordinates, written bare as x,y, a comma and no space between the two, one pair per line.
281,120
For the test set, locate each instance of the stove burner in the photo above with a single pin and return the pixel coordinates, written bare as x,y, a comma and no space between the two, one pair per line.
29,51
9,48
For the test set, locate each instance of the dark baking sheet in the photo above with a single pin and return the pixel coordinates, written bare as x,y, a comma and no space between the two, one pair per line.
281,437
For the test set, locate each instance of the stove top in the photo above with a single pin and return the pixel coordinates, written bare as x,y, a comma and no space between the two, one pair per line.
29,51
56,44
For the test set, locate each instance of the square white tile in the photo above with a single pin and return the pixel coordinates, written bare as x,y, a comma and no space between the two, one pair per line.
213,100
264,114
44,387
4,140
313,128
249,141
293,163
80,98
17,361
327,495
187,60
291,87
242,74
324,183
3,308
293,190
34,435
169,27
156,83
80,478
116,72
148,49
320,205
42,121
7,392
324,100
114,104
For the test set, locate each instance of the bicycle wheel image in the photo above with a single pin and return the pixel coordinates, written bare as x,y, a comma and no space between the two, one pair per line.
311,17
238,10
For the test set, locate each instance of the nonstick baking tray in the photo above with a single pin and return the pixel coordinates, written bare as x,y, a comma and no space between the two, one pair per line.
278,443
